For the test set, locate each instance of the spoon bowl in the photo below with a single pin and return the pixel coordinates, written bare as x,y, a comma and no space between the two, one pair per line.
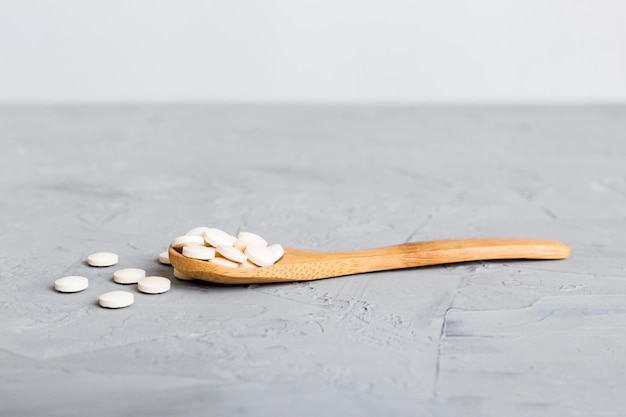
306,265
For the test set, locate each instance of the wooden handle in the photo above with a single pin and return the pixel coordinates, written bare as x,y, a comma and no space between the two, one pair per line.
304,265
439,252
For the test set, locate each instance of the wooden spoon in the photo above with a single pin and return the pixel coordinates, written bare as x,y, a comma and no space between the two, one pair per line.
305,265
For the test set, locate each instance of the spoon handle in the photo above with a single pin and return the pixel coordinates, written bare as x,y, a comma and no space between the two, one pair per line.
408,255
304,265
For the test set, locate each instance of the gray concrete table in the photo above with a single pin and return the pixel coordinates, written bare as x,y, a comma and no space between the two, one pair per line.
514,338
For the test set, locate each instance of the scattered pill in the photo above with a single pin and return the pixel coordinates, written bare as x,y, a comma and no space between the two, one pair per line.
116,299
197,231
128,275
154,285
231,253
164,258
180,241
180,275
102,259
224,262
260,256
216,237
199,252
71,284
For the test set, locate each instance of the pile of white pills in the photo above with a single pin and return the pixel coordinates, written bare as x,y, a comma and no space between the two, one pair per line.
246,250
115,299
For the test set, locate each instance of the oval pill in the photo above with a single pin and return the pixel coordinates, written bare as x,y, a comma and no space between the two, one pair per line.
231,253
164,258
216,237
71,284
154,285
180,241
102,259
203,253
116,299
128,275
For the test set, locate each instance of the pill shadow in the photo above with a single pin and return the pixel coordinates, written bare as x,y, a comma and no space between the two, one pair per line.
207,286
167,271
85,263
123,284
97,304
491,263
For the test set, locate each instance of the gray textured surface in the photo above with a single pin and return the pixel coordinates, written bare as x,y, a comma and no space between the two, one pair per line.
518,338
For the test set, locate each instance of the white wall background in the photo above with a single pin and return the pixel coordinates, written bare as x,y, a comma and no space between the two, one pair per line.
314,50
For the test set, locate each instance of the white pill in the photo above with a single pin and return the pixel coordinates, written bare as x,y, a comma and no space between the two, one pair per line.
180,241
116,299
182,276
277,250
197,231
247,264
154,285
216,237
231,253
102,259
199,252
164,258
249,235
224,262
260,256
71,284
246,238
128,275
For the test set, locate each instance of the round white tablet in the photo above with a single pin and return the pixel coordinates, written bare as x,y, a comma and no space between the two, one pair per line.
102,259
247,264
231,253
197,231
128,275
180,275
154,285
260,256
249,235
203,253
71,284
116,299
276,250
246,238
216,237
164,258
224,262
180,241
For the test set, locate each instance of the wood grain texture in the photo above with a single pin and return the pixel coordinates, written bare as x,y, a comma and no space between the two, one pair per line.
305,265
